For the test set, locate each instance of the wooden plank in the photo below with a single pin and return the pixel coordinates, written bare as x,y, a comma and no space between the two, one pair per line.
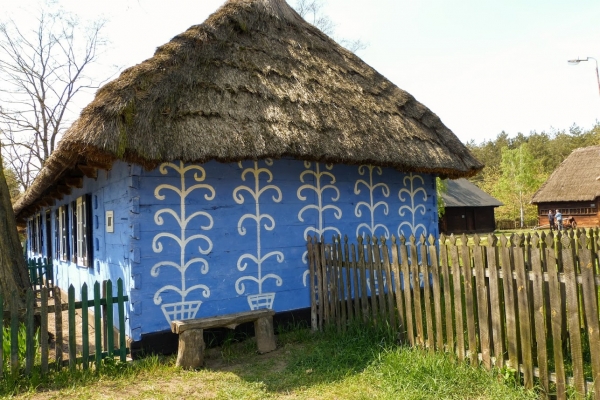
469,300
71,326
121,303
557,317
58,328
416,291
333,284
371,280
311,284
355,282
447,291
14,336
29,344
341,283
568,262
379,285
230,320
428,300
109,317
364,304
85,331
522,285
506,260
347,266
43,330
97,323
437,297
389,283
458,307
538,249
590,302
323,297
407,291
398,291
482,302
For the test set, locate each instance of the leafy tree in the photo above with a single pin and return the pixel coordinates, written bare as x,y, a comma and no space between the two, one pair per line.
441,187
41,72
518,180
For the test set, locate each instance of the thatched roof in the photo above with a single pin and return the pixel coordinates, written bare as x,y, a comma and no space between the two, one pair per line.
254,81
574,179
462,193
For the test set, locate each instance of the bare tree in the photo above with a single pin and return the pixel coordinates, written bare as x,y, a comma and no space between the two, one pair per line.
41,71
312,11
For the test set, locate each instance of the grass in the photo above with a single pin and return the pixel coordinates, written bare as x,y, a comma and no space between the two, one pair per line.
361,363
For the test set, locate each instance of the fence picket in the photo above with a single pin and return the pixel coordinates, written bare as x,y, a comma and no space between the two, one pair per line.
110,337
469,300
58,328
371,280
522,287
416,291
323,299
72,324
388,283
437,300
44,329
482,302
447,290
29,331
427,294
590,302
458,307
121,308
407,291
98,330
347,265
364,305
14,335
356,283
556,307
311,283
506,260
398,291
538,247
85,334
379,284
569,265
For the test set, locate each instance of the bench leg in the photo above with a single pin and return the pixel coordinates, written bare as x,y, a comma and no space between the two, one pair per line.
190,352
265,337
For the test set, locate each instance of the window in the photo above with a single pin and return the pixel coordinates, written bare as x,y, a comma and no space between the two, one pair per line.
36,238
81,231
57,235
63,228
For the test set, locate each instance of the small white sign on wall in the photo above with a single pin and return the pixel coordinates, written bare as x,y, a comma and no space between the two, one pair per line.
110,222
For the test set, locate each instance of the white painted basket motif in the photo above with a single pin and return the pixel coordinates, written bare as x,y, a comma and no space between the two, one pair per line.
263,300
180,311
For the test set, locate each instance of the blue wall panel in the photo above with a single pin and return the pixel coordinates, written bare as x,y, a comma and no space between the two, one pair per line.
240,263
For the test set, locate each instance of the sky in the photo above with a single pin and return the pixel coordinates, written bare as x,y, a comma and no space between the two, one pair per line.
482,66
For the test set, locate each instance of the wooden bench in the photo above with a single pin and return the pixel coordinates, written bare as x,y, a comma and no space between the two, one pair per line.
190,353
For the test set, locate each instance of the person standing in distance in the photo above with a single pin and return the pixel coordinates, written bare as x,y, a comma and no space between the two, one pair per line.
551,220
558,217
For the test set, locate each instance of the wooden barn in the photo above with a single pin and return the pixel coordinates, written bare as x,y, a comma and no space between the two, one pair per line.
197,175
573,188
468,209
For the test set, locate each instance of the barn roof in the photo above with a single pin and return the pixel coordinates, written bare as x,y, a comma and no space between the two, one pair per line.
575,179
462,193
254,81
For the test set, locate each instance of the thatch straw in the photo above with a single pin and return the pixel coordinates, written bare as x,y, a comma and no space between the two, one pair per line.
574,179
254,81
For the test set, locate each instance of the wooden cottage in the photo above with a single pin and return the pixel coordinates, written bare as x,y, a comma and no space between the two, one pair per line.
468,209
573,188
197,175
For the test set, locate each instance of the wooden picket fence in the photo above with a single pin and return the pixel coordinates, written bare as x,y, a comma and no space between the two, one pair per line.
38,349
528,304
40,273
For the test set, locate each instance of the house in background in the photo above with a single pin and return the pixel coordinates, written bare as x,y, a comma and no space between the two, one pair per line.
468,209
197,175
573,188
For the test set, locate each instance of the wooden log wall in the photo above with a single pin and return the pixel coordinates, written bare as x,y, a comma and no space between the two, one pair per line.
526,303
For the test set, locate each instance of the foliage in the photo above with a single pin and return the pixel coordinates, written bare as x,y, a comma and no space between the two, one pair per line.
22,345
542,154
441,187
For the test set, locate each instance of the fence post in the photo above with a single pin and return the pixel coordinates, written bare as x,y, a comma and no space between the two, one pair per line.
29,354
110,335
14,335
85,334
97,324
72,334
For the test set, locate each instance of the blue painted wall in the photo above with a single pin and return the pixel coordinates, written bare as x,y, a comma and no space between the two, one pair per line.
202,240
